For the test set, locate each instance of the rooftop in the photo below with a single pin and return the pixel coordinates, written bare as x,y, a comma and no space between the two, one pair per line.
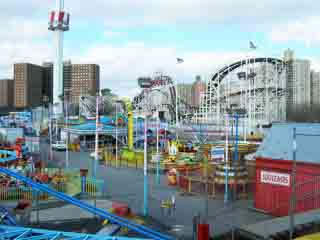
278,143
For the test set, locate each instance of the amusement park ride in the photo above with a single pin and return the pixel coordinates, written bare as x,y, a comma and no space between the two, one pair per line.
254,84
162,96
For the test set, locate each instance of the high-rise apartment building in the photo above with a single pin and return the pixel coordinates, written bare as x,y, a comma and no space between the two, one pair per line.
28,80
197,88
6,93
85,80
298,82
47,88
315,88
67,78
78,79
184,91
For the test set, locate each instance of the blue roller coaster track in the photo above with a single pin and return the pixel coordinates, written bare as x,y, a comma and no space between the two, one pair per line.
145,231
20,233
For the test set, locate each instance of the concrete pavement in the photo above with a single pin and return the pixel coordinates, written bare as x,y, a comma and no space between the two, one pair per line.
126,185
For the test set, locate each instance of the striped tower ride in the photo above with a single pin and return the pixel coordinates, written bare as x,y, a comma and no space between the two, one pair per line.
58,23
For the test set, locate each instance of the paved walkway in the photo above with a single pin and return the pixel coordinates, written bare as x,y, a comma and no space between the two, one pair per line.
277,225
126,185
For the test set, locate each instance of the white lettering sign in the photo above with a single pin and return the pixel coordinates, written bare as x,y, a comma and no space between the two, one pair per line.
275,178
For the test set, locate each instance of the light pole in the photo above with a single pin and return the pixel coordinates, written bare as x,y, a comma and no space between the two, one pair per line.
50,131
145,169
236,114
96,157
226,194
158,157
116,135
117,102
67,130
179,61
145,83
293,184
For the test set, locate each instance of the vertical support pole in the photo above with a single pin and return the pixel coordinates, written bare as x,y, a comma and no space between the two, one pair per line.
244,130
237,133
145,170
248,94
117,164
136,139
37,206
67,140
96,140
158,158
130,130
226,194
218,103
177,113
96,157
293,185
206,189
50,132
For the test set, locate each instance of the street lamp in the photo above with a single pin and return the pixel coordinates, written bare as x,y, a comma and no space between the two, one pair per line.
236,113
117,102
293,185
50,131
67,130
158,157
45,100
179,61
98,127
145,83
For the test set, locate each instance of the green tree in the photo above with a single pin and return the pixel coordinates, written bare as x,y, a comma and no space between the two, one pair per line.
106,92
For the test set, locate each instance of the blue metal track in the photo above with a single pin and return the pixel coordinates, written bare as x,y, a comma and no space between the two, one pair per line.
103,214
6,217
19,233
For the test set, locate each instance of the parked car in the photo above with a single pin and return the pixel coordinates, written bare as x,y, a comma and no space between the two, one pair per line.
59,146
93,154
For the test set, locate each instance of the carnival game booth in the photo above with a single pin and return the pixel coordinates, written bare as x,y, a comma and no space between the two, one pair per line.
275,166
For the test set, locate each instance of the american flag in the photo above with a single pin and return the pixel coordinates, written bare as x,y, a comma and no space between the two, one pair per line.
252,46
180,60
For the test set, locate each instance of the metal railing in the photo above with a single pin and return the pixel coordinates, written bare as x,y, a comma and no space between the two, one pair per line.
94,187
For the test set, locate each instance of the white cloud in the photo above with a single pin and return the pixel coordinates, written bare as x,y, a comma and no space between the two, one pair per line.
146,12
304,30
112,34
19,30
13,52
25,37
121,66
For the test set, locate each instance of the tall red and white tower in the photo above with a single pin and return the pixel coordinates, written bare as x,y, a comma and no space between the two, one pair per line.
58,23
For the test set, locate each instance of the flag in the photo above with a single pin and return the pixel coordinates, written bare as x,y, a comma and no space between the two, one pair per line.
252,46
180,60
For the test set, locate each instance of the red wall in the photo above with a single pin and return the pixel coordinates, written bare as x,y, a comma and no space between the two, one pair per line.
275,199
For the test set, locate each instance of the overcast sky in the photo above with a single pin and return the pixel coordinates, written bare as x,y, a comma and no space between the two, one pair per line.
130,38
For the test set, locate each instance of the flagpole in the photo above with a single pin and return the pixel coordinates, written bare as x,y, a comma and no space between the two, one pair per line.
179,60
